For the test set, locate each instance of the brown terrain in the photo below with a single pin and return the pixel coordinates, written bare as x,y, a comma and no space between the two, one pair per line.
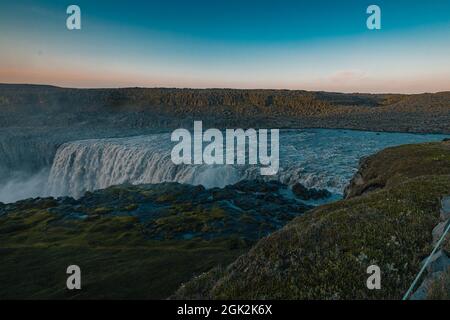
36,105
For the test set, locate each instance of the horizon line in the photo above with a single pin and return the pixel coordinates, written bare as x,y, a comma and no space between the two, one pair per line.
215,88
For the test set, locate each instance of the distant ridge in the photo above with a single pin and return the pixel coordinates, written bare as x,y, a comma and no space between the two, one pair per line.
166,107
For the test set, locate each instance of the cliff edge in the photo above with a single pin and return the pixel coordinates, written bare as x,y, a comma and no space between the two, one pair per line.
391,208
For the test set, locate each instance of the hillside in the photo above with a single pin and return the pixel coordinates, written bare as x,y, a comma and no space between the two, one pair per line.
388,219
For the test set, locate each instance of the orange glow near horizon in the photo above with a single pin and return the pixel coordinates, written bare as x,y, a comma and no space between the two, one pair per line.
345,81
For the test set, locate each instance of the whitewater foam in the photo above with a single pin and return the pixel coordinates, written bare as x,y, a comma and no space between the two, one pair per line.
319,158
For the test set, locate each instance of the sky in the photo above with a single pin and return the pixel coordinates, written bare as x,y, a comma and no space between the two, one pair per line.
309,45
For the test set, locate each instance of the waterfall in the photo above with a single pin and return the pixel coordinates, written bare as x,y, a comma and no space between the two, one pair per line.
317,158
87,165
99,163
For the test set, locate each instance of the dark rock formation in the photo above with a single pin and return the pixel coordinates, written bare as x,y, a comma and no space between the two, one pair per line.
248,209
304,193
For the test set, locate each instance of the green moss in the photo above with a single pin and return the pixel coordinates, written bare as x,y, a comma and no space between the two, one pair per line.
102,210
184,218
165,198
131,207
217,213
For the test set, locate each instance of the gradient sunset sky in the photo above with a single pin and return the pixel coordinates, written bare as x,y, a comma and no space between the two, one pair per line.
311,45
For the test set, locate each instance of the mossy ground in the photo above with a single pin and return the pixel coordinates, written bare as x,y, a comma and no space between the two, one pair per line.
116,259
132,241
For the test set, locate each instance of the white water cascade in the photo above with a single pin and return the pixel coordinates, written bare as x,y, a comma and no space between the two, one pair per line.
317,158
96,164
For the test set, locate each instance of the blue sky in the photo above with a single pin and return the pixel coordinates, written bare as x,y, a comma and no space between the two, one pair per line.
312,45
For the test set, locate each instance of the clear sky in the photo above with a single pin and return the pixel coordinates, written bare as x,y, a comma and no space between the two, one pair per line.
311,45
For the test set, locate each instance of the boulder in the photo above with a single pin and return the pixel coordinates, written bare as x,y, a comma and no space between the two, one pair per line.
439,230
439,262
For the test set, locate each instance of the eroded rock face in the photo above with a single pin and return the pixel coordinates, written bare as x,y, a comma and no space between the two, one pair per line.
363,181
357,183
439,230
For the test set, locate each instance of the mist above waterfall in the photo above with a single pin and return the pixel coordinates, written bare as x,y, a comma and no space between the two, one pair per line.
20,185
